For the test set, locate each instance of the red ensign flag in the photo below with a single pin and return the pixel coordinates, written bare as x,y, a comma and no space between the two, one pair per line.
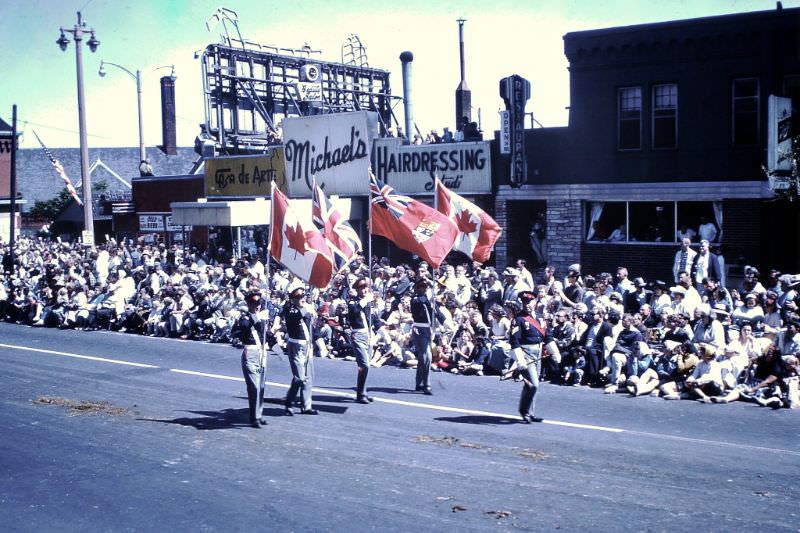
410,224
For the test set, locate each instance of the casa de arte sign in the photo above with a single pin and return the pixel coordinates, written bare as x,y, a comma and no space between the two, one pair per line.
463,167
334,148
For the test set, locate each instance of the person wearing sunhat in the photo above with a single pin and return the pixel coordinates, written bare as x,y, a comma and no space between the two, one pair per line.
359,309
422,334
298,336
251,329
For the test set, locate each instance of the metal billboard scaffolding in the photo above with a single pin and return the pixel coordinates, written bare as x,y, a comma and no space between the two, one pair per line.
248,88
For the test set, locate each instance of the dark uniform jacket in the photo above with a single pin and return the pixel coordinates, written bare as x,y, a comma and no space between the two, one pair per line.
294,322
525,332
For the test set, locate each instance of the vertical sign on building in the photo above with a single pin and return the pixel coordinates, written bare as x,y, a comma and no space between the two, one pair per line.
779,134
515,91
505,132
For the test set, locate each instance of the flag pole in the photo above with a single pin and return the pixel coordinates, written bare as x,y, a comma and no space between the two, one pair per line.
369,265
263,347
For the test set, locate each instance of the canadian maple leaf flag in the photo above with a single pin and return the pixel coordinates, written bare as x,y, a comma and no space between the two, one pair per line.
304,252
410,224
477,231
342,238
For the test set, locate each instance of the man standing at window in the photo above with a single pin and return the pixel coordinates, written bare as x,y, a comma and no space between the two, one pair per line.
684,259
707,230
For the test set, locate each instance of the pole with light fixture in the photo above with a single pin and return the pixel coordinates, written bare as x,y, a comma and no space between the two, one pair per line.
77,32
137,77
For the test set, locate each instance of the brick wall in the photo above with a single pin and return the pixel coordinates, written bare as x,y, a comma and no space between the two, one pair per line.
563,233
501,246
741,235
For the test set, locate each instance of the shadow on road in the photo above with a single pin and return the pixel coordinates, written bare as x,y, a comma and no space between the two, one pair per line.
225,419
480,420
317,398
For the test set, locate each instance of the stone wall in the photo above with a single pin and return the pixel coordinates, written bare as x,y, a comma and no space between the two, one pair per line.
564,230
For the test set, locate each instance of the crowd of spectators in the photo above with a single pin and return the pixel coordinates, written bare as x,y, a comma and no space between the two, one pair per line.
692,338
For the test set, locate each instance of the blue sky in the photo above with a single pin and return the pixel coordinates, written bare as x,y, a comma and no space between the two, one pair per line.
502,38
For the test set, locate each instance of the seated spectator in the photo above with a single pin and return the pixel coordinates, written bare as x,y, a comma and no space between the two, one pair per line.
706,379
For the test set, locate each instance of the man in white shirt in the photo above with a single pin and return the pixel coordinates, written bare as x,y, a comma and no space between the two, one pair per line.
683,259
707,230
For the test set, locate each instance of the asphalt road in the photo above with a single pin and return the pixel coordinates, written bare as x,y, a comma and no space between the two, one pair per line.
114,432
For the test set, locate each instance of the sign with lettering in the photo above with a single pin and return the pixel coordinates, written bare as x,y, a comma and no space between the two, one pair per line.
175,228
505,132
411,169
6,146
151,223
247,176
515,92
779,134
309,91
335,148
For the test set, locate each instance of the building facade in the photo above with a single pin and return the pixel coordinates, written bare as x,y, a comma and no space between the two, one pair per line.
666,138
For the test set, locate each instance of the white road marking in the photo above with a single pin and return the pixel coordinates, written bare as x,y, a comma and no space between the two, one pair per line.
409,404
79,356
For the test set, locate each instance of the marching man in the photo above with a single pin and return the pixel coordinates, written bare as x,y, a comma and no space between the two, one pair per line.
298,349
528,340
358,312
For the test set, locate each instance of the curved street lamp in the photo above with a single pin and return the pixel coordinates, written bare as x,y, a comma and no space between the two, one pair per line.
77,32
137,77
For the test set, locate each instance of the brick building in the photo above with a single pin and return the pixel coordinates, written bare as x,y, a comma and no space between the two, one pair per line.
667,131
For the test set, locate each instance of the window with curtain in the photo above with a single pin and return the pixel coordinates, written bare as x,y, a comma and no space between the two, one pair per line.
653,222
629,113
665,116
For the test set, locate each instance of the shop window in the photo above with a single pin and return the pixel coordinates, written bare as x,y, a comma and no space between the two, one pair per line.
629,112
665,116
653,222
745,111
698,220
605,221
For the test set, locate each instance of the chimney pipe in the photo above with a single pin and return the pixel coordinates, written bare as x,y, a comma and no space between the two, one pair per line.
406,58
463,94
169,145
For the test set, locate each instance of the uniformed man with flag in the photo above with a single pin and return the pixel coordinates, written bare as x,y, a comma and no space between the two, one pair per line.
358,312
251,329
528,340
422,334
298,348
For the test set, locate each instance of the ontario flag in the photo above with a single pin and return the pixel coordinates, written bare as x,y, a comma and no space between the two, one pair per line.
410,224
342,238
304,252
477,231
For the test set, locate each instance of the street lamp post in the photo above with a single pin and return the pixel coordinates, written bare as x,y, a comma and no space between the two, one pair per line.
77,32
137,77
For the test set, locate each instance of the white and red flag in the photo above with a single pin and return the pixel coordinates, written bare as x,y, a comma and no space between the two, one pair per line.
303,251
342,238
410,224
477,231
59,168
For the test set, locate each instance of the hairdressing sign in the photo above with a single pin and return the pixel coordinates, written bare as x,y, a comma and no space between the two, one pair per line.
334,148
412,169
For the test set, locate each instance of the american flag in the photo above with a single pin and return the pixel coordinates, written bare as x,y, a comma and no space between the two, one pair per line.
59,168
342,238
384,196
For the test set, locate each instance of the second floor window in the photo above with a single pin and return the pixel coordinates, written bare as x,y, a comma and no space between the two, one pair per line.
629,118
665,116
745,111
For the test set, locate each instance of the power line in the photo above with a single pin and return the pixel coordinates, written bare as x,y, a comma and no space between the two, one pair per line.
61,129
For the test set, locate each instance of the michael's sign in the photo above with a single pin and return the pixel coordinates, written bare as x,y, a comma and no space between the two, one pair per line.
462,167
333,148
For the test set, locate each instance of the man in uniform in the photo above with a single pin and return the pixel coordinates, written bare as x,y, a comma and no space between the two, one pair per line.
422,334
298,349
251,329
528,340
358,312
